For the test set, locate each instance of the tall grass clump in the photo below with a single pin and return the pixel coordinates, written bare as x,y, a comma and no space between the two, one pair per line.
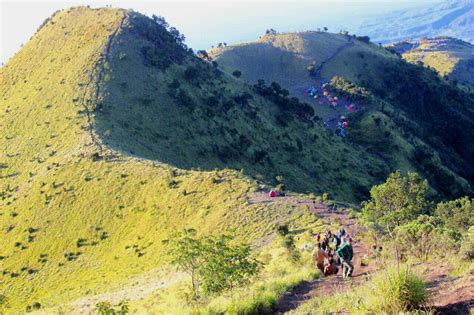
396,291
388,292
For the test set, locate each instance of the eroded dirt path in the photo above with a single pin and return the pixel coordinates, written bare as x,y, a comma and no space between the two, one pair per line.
448,294
326,285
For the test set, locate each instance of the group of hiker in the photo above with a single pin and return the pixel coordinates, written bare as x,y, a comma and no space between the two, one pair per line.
324,93
334,250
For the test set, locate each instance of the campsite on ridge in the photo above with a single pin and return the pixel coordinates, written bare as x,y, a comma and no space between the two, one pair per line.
303,173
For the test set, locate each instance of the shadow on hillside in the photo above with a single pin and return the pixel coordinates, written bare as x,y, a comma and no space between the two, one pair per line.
191,115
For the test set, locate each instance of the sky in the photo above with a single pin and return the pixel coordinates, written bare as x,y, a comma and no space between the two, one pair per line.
206,23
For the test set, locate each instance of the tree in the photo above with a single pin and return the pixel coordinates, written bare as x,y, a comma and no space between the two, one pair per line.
397,201
191,73
228,265
178,37
456,214
160,20
203,55
325,29
186,252
214,263
280,183
365,39
237,73
271,31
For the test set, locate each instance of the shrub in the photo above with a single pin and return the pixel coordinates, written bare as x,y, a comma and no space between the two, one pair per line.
395,291
365,39
456,214
237,73
106,308
191,73
467,247
282,229
425,236
214,263
396,202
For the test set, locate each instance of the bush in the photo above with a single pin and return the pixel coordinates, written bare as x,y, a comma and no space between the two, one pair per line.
282,229
215,263
106,308
237,73
365,39
424,236
456,214
467,247
395,291
397,201
191,73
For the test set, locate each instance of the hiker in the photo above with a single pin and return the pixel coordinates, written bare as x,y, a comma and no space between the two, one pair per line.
318,237
319,256
336,240
345,254
330,266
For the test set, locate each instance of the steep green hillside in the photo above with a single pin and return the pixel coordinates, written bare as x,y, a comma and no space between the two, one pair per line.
175,108
114,136
408,115
451,58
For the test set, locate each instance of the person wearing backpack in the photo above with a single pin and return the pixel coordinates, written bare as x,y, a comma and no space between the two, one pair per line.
345,254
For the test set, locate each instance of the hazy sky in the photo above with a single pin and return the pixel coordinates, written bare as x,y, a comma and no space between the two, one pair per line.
205,23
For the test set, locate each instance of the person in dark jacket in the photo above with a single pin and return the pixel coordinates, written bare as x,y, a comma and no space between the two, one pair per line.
345,254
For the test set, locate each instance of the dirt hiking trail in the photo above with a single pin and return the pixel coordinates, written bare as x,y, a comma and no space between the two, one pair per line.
448,294
326,285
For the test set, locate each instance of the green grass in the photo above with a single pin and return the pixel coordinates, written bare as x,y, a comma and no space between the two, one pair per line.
122,208
280,273
403,105
448,56
102,158
90,186
387,292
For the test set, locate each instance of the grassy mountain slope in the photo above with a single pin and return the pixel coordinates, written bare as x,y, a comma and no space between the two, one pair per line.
191,115
450,57
114,136
410,116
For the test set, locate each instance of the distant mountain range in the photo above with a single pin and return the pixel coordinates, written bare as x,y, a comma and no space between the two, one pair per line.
451,18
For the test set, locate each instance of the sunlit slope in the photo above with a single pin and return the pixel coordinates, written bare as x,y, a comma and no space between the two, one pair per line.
409,115
91,135
450,57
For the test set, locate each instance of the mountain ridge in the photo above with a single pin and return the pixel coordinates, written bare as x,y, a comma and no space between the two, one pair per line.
87,187
371,70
